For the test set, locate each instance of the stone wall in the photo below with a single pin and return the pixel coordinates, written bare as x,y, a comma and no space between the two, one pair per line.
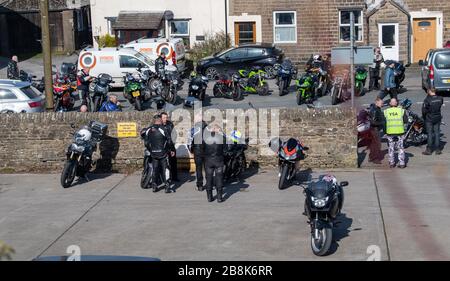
37,142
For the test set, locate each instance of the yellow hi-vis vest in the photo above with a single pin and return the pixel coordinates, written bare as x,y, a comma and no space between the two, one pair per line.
394,121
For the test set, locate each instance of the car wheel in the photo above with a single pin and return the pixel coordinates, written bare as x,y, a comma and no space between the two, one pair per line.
212,73
270,72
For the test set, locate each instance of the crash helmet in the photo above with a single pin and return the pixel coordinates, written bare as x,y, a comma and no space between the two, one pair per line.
83,135
317,57
236,136
407,103
193,74
136,76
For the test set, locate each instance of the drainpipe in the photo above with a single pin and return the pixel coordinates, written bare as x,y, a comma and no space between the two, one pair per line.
409,38
226,24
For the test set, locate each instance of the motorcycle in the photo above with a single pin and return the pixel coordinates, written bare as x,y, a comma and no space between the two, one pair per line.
168,87
321,81
416,134
363,126
254,81
305,89
289,154
228,87
285,73
79,153
63,90
323,203
98,91
235,161
147,172
360,80
340,86
135,90
39,84
197,87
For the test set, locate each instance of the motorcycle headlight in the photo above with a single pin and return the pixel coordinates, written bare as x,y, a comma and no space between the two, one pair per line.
285,71
194,87
175,82
410,119
319,203
78,148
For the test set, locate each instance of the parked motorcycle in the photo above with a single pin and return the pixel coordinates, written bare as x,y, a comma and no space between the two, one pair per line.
416,134
63,90
197,86
39,84
289,154
228,87
79,153
98,91
340,86
285,73
363,126
235,161
360,80
323,203
305,89
135,90
168,87
254,81
321,81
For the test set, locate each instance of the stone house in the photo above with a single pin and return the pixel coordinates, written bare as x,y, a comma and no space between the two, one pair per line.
20,21
404,29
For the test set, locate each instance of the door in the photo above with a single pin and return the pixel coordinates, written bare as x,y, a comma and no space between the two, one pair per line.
424,34
388,40
232,60
244,33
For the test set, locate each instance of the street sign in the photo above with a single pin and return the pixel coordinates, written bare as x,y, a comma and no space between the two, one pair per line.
127,130
341,55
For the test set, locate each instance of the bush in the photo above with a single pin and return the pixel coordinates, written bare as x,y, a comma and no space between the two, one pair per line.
107,41
213,43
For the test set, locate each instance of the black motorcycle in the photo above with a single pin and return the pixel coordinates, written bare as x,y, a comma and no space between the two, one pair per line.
39,84
415,134
79,153
289,154
285,73
234,160
169,86
228,87
197,87
98,90
323,203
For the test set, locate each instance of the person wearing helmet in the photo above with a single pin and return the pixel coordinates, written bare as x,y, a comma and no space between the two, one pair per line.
159,145
83,81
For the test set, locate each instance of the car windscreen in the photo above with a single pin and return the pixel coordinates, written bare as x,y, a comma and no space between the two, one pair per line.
145,59
30,93
442,61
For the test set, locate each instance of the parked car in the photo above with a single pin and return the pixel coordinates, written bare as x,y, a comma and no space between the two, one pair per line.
242,57
18,96
436,70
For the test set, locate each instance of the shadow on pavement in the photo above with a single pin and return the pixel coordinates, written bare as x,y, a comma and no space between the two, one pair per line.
341,230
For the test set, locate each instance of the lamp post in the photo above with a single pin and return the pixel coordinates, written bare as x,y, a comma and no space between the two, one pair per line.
352,56
46,49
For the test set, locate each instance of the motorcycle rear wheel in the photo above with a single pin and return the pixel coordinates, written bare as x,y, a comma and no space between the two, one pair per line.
68,173
321,246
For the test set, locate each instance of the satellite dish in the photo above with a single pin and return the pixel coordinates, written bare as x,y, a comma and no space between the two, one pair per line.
168,15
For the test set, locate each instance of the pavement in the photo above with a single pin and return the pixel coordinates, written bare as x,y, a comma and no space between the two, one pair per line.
391,213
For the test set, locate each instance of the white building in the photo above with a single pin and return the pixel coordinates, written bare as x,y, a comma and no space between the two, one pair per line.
188,19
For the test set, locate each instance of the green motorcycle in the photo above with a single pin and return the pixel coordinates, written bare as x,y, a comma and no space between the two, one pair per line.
305,88
254,81
134,90
360,80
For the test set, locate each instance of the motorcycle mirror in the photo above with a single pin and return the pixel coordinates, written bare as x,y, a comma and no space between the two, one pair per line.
344,183
72,125
247,140
305,148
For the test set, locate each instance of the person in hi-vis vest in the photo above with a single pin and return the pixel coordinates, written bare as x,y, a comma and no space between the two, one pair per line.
395,130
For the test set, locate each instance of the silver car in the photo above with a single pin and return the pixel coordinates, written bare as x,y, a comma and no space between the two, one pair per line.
436,70
17,97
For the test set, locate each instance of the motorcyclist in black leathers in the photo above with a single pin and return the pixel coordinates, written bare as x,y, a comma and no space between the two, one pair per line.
196,147
160,64
12,71
159,145
214,144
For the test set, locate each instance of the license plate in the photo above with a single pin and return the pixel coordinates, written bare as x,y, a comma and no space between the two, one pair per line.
136,94
446,81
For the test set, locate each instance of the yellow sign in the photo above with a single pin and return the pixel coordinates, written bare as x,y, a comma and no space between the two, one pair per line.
127,130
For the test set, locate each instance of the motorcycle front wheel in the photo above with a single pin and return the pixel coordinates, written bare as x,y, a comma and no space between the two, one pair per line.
334,95
68,173
321,246
97,103
237,93
281,87
138,104
283,177
263,90
299,98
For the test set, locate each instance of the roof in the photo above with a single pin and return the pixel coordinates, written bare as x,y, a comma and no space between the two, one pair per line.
7,83
138,20
380,4
33,5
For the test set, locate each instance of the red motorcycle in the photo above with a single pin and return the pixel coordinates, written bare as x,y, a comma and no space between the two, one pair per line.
364,134
228,87
62,94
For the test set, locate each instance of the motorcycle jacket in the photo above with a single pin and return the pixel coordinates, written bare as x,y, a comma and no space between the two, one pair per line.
214,145
108,106
376,117
83,81
196,139
160,65
431,109
158,143
12,71
168,127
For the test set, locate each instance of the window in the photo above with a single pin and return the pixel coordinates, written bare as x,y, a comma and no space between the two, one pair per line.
30,93
80,20
129,62
110,21
179,28
236,54
245,32
344,25
255,52
285,27
442,61
388,35
7,95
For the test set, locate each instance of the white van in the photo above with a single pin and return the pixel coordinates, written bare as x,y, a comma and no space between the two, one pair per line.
115,62
153,47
